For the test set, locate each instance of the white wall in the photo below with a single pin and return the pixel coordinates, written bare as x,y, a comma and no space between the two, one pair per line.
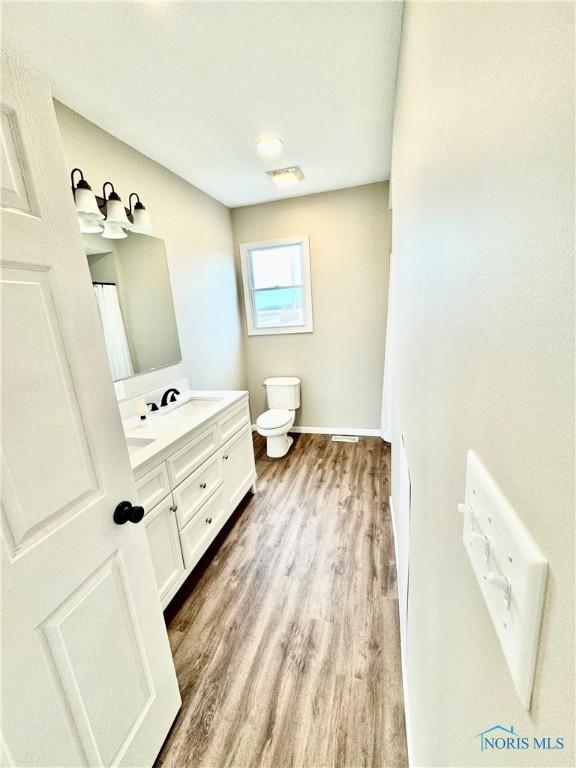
197,233
483,350
341,362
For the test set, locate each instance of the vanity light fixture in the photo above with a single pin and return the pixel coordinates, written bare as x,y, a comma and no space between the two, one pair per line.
116,217
89,215
285,177
107,216
269,146
140,219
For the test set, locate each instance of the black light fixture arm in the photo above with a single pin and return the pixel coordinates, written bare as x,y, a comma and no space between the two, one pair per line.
137,196
81,183
113,195
139,206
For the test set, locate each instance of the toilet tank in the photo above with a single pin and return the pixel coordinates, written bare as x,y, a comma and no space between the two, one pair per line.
283,392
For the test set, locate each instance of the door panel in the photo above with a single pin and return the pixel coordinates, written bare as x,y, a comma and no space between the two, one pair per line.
87,674
104,714
41,414
15,177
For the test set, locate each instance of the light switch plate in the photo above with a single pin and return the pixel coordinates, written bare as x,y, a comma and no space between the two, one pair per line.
507,563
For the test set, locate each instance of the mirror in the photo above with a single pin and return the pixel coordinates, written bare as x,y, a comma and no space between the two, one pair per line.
134,297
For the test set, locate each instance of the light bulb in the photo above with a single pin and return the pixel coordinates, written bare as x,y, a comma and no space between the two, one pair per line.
269,146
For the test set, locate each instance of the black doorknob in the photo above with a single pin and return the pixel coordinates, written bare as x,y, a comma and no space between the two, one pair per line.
125,512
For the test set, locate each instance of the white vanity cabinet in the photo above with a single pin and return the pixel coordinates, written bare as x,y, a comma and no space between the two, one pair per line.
192,489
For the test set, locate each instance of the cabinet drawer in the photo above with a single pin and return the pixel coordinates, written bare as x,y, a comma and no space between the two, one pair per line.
164,543
153,486
201,530
184,461
193,492
230,424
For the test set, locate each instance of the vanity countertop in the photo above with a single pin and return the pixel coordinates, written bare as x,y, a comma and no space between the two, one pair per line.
153,437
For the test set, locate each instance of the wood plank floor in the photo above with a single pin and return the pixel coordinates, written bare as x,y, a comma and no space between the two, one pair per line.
286,640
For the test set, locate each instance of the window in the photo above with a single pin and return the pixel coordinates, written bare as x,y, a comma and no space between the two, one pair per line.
277,286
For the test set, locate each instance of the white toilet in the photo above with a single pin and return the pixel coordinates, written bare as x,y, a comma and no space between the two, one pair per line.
283,397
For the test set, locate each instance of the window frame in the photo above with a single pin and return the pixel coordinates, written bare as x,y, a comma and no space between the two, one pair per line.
249,291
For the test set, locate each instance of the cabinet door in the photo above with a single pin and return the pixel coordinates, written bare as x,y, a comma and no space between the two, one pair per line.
162,531
239,467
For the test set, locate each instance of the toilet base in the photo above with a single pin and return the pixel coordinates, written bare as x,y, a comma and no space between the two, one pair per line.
278,445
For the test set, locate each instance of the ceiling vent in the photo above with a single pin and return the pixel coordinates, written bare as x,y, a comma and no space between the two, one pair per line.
285,177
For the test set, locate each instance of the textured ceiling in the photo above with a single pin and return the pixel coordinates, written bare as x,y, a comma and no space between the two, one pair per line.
193,85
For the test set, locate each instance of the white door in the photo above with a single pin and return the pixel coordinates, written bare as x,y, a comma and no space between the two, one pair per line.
87,674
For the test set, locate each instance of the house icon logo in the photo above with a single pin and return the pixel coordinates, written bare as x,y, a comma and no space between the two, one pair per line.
500,737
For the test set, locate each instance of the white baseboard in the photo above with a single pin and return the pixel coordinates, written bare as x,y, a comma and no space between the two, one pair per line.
331,431
402,653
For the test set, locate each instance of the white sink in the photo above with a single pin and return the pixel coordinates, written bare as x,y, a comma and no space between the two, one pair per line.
136,444
193,407
155,435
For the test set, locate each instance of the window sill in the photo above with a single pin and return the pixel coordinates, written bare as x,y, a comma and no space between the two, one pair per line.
280,331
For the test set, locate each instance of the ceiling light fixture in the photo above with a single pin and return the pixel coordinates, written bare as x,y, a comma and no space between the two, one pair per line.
285,177
269,146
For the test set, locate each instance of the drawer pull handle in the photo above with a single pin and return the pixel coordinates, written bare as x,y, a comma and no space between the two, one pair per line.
225,457
208,520
174,507
202,485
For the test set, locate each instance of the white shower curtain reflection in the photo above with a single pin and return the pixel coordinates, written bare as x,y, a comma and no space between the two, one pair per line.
114,331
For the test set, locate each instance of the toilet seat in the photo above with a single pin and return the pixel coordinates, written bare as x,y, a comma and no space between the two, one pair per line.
274,418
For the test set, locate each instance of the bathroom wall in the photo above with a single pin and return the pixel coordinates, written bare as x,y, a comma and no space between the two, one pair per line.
341,362
483,352
197,232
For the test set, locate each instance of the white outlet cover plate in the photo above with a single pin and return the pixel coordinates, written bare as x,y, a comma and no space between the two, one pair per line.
512,553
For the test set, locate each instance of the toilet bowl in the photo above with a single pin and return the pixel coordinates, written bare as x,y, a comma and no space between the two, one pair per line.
283,396
274,425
